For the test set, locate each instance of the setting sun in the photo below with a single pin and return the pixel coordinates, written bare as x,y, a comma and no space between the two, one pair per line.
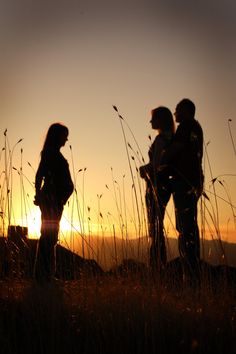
117,233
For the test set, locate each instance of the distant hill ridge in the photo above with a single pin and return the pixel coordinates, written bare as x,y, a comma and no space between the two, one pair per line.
18,252
109,251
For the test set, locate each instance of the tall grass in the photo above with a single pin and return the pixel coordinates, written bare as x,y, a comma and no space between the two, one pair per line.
128,216
114,315
118,312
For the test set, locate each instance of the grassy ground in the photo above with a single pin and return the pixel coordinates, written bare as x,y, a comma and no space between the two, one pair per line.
116,314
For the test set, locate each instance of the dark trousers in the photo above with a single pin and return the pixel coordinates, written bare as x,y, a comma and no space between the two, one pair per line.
156,201
45,264
185,202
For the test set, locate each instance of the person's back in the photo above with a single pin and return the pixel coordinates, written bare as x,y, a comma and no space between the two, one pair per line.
57,179
160,144
187,164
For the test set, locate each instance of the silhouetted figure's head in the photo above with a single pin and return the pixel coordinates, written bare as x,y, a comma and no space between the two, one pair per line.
185,109
162,120
56,137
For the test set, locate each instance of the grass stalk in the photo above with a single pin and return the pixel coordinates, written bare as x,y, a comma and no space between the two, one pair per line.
121,120
231,136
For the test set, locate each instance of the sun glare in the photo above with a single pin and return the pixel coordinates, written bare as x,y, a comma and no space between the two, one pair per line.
34,224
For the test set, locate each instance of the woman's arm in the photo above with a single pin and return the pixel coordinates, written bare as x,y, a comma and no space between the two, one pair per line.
38,183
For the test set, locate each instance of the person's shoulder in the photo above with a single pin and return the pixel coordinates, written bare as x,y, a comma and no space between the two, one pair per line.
197,126
189,124
198,123
62,159
159,140
184,130
51,156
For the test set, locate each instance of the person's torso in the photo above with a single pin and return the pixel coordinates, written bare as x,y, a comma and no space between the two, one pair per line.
161,142
57,178
187,165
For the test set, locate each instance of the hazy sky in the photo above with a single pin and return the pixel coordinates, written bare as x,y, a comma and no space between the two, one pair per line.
70,61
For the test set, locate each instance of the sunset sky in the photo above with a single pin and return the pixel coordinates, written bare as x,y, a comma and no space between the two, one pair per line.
70,61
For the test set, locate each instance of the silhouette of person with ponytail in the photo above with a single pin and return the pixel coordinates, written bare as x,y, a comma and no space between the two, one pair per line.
53,186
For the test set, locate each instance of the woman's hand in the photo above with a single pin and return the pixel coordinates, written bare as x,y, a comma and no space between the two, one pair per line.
144,171
37,199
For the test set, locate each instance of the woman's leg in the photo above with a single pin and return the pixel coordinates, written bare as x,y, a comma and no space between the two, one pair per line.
158,254
50,222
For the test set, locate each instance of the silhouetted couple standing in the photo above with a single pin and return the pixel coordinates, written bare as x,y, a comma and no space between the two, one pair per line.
175,168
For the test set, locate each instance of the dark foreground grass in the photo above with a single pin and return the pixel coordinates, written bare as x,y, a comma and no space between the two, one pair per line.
115,315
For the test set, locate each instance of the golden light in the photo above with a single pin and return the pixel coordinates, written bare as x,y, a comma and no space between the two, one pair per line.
34,224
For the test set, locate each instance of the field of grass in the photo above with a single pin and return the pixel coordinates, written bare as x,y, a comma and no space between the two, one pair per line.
116,314
120,312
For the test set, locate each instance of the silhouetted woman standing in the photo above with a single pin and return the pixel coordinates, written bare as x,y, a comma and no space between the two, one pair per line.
53,185
158,189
